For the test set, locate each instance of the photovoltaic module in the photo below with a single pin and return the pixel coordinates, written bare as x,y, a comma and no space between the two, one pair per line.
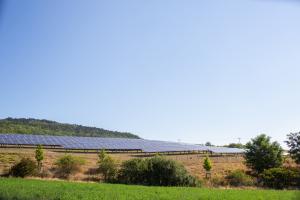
97,143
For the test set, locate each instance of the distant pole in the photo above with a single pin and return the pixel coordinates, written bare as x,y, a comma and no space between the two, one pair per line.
239,140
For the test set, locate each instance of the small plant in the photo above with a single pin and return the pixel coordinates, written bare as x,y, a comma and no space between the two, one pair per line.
68,164
107,167
207,166
26,167
239,178
39,157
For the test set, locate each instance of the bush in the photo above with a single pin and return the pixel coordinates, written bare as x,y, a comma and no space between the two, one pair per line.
133,172
217,181
67,165
156,171
280,178
239,178
26,167
107,167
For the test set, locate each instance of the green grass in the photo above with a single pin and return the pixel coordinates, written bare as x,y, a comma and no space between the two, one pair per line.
24,189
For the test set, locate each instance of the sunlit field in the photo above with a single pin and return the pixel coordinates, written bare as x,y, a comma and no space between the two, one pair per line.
25,189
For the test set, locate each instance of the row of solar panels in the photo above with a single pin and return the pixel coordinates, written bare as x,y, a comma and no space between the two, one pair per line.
95,143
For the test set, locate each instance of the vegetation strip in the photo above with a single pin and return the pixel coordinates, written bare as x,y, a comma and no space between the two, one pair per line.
24,189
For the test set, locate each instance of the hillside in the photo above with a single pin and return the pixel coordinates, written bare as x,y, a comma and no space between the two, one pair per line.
46,127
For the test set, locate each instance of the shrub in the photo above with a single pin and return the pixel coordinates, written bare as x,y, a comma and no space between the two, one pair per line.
217,181
107,167
67,165
155,171
280,178
239,178
261,154
26,167
134,172
44,173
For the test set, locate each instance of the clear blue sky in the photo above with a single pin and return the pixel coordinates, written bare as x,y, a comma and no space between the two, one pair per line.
191,70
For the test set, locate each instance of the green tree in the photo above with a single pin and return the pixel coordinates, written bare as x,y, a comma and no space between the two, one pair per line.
208,144
39,156
261,154
235,145
107,166
293,143
207,166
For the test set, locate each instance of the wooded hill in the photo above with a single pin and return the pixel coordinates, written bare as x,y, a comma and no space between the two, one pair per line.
46,127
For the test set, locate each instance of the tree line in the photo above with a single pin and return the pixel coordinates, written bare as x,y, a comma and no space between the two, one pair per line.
46,127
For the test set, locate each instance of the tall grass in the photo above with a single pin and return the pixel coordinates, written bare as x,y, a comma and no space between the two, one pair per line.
24,189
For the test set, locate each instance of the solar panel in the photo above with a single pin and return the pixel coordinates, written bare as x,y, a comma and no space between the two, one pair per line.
72,142
225,150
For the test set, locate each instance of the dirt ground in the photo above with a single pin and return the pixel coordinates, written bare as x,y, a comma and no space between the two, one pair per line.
192,162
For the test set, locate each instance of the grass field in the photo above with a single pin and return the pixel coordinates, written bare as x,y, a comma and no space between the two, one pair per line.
24,189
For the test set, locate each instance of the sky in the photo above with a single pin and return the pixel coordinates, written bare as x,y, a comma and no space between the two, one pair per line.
190,71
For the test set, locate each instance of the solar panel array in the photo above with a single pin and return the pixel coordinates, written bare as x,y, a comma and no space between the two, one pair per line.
95,143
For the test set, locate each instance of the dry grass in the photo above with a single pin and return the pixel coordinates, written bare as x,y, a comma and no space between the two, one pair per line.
193,163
